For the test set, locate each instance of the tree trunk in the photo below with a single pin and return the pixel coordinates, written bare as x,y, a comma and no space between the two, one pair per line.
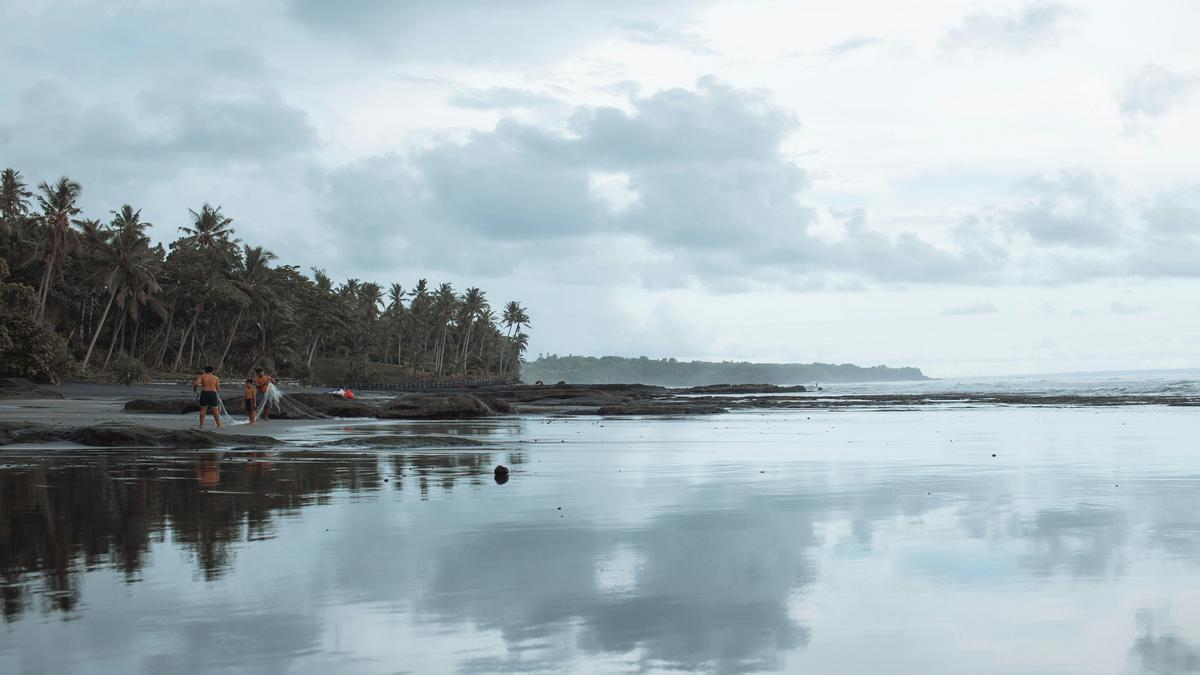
115,338
96,333
229,342
183,340
43,293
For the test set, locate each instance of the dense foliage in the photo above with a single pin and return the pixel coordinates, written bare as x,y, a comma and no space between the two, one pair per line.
102,294
672,373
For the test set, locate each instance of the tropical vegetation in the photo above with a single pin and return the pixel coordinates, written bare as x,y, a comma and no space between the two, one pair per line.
670,372
87,297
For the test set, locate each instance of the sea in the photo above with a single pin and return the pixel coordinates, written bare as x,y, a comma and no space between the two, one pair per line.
865,539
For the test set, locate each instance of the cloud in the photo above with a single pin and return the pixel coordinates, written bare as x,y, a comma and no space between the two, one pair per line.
502,98
851,44
695,175
655,33
479,30
1125,308
1073,208
978,307
1036,24
161,127
1150,93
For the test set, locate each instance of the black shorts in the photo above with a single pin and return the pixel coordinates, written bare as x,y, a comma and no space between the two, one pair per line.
250,405
209,399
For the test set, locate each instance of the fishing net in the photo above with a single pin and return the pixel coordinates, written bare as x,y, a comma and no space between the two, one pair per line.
281,404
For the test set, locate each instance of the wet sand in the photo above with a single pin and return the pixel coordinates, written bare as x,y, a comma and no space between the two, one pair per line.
1002,539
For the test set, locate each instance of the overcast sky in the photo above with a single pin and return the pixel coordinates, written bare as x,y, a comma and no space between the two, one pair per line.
973,188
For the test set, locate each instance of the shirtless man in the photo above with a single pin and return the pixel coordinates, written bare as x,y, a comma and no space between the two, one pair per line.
210,397
262,380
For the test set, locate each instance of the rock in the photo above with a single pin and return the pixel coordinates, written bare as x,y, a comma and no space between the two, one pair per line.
660,409
177,406
410,441
435,406
326,404
163,406
128,436
500,474
137,436
744,389
21,388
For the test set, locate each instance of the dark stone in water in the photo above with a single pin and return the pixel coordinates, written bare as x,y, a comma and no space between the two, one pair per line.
500,474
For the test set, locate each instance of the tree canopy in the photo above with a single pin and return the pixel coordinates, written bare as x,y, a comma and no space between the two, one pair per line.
112,299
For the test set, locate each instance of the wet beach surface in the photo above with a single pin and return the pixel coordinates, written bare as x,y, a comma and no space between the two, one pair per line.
944,539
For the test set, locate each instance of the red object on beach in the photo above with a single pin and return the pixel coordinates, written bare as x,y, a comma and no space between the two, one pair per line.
348,394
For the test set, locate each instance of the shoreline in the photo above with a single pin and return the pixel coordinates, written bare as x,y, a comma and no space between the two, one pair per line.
97,413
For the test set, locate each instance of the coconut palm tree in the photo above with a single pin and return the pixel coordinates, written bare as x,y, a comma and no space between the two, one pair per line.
395,313
14,201
59,205
127,265
252,286
210,231
473,302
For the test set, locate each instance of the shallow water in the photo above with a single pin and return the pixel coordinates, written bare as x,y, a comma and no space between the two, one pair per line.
864,541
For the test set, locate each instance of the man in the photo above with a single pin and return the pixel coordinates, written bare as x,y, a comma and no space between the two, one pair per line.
210,398
251,401
263,380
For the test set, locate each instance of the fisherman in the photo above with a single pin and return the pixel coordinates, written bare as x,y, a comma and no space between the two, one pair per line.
251,402
210,398
263,380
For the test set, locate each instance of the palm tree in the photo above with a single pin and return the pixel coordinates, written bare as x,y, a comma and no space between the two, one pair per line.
444,300
514,318
128,266
210,230
211,237
395,310
252,283
14,200
59,208
473,303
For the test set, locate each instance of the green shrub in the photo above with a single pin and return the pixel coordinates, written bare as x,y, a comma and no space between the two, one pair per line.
129,370
28,347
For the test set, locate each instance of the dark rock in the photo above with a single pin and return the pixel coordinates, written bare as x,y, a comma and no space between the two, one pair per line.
128,436
21,388
136,436
435,406
500,474
410,441
164,406
327,404
660,409
177,406
744,389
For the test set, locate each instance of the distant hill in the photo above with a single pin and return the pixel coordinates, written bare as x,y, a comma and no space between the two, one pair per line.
673,373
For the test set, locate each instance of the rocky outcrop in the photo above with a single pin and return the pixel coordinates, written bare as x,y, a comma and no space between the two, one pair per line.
21,388
327,404
666,408
129,436
744,389
435,407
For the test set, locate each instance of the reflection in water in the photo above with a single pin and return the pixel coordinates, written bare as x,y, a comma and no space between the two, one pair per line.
63,514
645,546
1162,652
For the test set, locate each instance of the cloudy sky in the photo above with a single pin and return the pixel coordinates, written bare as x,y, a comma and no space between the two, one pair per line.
969,187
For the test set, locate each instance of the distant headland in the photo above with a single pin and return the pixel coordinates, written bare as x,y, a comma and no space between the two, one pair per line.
674,373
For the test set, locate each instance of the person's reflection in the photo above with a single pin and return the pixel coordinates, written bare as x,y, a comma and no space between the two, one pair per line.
258,464
208,471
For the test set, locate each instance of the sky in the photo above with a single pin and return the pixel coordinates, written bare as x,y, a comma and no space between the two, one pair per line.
972,188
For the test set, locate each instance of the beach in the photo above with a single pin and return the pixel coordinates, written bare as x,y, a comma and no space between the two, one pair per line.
1015,538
